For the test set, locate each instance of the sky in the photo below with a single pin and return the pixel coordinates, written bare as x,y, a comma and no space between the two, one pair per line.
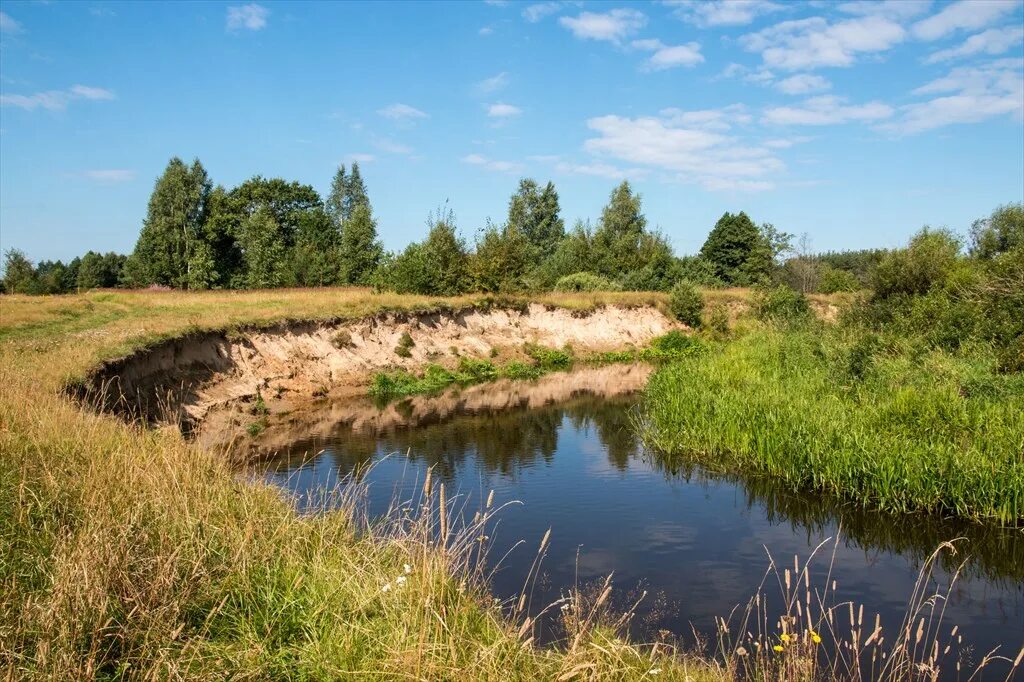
854,122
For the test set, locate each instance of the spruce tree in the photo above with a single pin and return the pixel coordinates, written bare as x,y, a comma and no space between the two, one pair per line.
618,239
336,197
534,214
355,193
360,251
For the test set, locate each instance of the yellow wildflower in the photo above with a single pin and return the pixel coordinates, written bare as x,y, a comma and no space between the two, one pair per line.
785,638
778,647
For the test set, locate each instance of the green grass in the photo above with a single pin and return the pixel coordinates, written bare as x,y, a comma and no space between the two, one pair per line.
879,422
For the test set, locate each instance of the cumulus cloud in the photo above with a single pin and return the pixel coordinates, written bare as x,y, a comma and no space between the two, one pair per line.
993,41
502,110
401,112
251,17
536,12
692,146
9,24
785,142
827,110
669,56
965,95
963,15
722,12
486,31
492,84
894,9
814,42
492,164
56,100
110,176
803,83
613,26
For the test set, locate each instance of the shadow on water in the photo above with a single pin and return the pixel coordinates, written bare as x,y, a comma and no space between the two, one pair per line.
697,541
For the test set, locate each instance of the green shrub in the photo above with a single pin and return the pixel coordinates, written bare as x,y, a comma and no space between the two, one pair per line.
833,280
550,358
781,305
520,370
717,322
926,263
686,304
341,339
403,351
476,370
406,340
585,281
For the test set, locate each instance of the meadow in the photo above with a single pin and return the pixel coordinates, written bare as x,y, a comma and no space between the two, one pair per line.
129,553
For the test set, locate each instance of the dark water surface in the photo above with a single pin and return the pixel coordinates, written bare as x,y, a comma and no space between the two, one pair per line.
696,542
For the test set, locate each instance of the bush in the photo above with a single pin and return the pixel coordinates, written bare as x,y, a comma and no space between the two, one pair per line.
550,358
781,304
924,264
585,281
686,304
833,280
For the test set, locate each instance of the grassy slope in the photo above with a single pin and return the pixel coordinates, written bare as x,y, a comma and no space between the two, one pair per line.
129,553
885,425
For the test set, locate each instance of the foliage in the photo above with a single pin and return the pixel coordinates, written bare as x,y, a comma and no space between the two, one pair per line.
360,252
501,260
698,271
19,273
549,359
833,280
926,262
741,253
1001,232
585,281
782,305
534,214
172,229
904,437
263,250
686,304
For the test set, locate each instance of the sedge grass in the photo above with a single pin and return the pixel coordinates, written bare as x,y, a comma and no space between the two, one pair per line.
894,428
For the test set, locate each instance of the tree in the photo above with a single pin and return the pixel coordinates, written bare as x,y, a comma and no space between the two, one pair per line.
335,203
446,255
53,277
535,215
92,272
737,250
502,258
573,252
176,213
1000,232
19,275
355,194
263,250
315,254
617,240
927,262
360,251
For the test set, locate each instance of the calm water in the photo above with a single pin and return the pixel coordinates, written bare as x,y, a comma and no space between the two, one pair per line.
697,543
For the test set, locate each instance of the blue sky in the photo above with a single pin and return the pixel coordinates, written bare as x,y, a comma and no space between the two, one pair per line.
854,122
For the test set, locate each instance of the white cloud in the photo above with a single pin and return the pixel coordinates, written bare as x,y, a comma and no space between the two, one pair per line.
785,142
669,56
614,26
826,110
9,24
88,92
722,12
360,157
814,42
401,112
967,95
965,14
251,17
55,100
486,31
112,175
600,170
993,41
535,13
691,145
502,110
803,83
492,84
491,164
894,9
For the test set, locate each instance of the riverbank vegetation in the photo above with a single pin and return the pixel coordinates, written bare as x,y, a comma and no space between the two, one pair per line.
913,402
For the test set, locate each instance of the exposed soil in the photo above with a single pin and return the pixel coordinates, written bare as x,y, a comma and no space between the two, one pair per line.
187,380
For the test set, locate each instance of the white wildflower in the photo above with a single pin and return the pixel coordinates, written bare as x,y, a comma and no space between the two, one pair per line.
386,587
407,568
400,580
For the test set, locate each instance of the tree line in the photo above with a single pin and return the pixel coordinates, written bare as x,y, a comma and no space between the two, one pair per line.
269,232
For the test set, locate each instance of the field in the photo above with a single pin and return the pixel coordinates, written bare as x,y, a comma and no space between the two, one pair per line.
130,553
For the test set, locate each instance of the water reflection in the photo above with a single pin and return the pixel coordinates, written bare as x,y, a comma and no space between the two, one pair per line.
697,541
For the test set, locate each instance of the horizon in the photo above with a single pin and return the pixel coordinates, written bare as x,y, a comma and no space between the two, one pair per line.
856,123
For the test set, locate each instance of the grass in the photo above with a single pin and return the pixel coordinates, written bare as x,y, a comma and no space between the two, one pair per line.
878,422
127,553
